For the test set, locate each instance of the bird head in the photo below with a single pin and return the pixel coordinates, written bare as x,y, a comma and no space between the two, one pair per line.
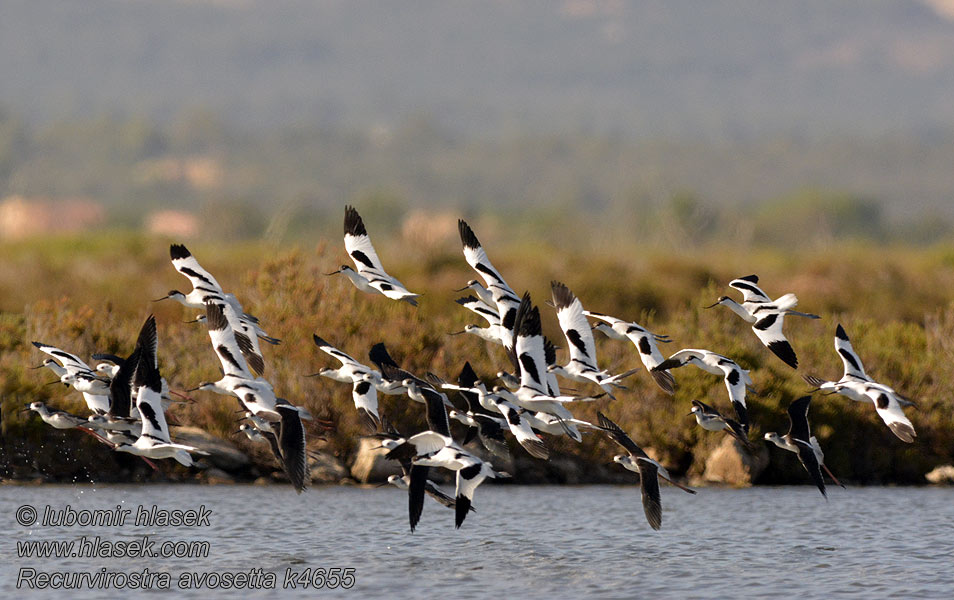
721,300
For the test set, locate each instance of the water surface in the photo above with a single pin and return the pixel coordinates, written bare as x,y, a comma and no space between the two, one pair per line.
531,541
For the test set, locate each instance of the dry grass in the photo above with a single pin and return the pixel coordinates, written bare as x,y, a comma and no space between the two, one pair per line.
91,295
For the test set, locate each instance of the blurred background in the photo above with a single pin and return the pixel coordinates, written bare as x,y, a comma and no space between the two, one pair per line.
644,153
682,123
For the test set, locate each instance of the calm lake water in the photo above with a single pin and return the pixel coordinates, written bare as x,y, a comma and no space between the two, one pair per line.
531,542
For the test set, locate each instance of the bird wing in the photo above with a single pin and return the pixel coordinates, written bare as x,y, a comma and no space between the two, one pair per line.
768,328
521,430
651,357
798,415
428,442
291,441
224,343
750,291
185,263
436,411
468,478
806,456
72,363
358,244
889,409
365,397
649,487
530,353
576,328
619,436
679,359
504,296
853,366
735,380
342,357
475,305
415,493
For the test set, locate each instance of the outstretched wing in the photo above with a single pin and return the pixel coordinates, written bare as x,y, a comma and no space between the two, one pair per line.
358,244
751,292
619,436
649,487
769,330
576,328
853,366
186,264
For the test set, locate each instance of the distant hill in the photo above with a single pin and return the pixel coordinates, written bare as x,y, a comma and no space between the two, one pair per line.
716,70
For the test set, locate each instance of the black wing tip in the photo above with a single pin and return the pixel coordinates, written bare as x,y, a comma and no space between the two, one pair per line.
750,278
353,224
467,236
39,344
530,323
904,432
467,377
840,333
461,508
664,380
466,300
784,350
319,341
562,296
178,251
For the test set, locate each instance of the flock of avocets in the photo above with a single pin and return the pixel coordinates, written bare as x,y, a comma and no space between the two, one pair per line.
128,397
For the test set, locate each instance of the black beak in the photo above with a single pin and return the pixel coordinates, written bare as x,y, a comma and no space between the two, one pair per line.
160,299
463,289
192,321
457,333
37,367
313,375
57,381
334,272
711,305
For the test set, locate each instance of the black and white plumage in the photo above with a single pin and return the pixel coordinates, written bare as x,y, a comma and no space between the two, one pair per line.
154,441
858,386
482,424
73,371
504,298
363,391
205,289
494,331
800,441
370,275
639,462
736,378
645,342
582,365
711,419
58,419
766,315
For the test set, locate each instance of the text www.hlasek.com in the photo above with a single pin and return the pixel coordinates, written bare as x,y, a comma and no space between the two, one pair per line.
96,547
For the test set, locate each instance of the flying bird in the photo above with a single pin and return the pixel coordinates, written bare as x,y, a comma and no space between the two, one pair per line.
370,275
639,462
766,315
858,386
645,342
800,441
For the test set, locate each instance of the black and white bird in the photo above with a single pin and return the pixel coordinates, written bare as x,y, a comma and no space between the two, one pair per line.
800,441
736,378
436,448
582,365
639,462
75,372
58,419
370,275
645,342
205,288
858,386
286,439
154,442
504,298
766,315
494,331
711,419
255,394
363,391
